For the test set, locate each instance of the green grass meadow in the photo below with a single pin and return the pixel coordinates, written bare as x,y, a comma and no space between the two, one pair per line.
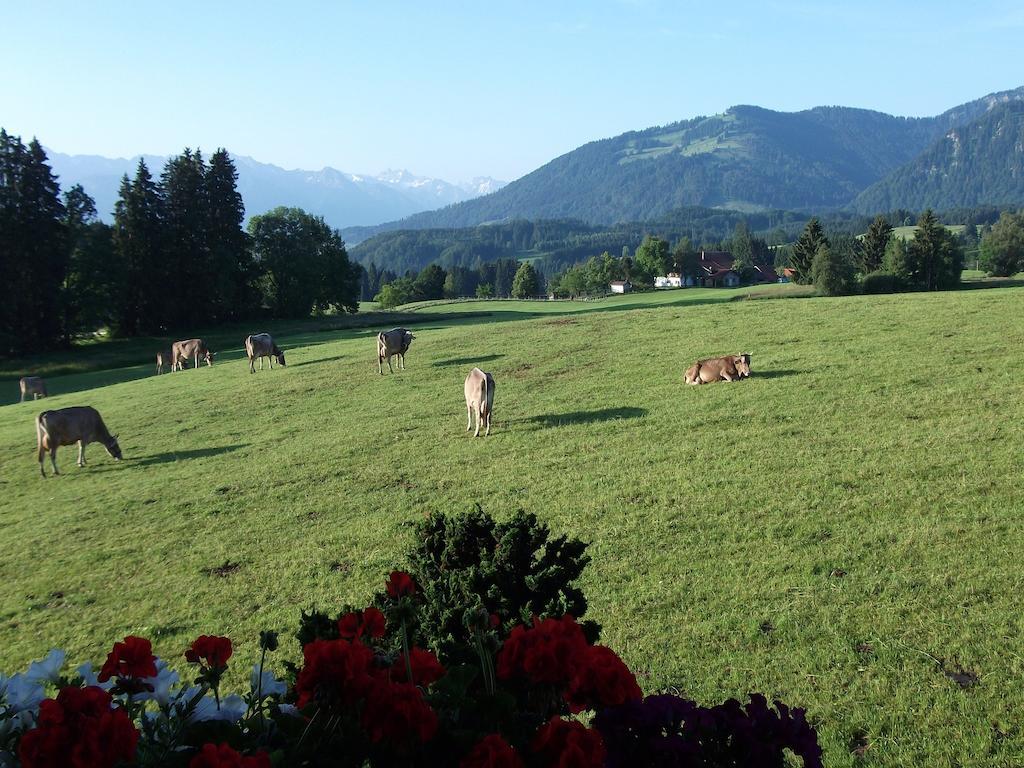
842,531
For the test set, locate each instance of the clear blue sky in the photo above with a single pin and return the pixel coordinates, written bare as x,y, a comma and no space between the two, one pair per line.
457,90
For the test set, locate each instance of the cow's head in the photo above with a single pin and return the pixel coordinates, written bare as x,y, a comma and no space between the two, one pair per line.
279,355
742,363
113,448
208,357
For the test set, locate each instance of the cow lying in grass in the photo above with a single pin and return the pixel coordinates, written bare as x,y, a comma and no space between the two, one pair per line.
81,424
728,368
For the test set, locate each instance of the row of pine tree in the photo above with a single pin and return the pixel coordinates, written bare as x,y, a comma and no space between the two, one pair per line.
176,259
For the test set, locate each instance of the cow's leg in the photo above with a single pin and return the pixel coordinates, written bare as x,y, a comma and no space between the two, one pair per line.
469,417
390,369
401,360
476,412
42,458
53,460
22,396
726,376
81,453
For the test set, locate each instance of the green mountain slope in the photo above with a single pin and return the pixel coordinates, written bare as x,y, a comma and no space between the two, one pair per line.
981,162
748,158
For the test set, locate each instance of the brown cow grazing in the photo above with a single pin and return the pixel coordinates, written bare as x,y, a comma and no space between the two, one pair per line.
391,343
194,348
262,345
32,385
479,391
81,424
164,357
728,368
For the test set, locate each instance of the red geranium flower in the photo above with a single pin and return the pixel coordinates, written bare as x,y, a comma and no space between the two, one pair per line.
337,671
400,584
568,744
397,711
369,622
131,658
426,669
492,752
602,680
79,729
223,756
548,652
211,650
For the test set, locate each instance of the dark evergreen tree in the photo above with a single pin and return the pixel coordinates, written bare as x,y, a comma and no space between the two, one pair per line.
232,273
832,271
192,276
935,259
143,298
871,248
801,257
79,215
429,284
526,283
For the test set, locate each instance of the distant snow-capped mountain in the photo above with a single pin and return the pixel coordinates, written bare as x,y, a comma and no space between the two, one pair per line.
343,199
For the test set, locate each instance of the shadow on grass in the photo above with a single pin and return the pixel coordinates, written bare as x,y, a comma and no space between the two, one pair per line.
466,360
990,282
197,453
779,373
318,360
583,417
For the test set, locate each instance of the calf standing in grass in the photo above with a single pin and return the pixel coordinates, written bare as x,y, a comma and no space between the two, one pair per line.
391,343
194,348
32,385
262,345
81,424
479,400
728,368
164,357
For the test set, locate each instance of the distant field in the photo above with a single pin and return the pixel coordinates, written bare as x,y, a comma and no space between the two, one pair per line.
908,233
842,531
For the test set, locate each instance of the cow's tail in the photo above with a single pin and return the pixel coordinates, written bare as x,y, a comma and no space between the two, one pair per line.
42,435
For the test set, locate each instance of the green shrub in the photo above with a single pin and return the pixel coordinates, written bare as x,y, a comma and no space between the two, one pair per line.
880,281
470,565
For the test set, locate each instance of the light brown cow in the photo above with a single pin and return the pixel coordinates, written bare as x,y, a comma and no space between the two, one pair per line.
728,368
194,348
391,343
32,385
164,358
479,391
262,345
80,424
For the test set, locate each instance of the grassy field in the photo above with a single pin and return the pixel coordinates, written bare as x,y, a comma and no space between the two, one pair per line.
842,531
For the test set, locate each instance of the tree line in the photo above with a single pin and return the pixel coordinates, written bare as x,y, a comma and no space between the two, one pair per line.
176,257
504,278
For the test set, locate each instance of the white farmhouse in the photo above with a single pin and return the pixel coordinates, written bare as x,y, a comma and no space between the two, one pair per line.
620,286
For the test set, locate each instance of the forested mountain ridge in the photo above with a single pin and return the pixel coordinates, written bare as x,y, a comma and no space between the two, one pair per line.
748,158
982,161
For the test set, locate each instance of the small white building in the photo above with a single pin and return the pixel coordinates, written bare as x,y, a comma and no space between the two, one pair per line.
671,280
620,286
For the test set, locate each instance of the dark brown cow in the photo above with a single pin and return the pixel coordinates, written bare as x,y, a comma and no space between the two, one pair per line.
80,424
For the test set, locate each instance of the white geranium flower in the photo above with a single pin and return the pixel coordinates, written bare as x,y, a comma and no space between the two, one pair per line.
85,671
232,708
270,686
161,684
48,669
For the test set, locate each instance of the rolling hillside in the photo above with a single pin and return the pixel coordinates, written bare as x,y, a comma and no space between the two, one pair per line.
747,158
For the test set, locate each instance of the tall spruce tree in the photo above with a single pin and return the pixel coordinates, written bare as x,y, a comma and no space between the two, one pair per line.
801,257
832,271
193,281
33,249
526,283
79,214
871,248
143,292
230,258
935,258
